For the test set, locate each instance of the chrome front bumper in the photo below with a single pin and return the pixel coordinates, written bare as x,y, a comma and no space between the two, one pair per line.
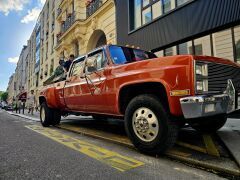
209,105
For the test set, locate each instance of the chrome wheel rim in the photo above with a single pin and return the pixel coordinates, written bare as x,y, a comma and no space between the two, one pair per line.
42,114
145,124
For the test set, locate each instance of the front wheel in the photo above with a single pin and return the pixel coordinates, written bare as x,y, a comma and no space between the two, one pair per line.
148,125
208,124
49,116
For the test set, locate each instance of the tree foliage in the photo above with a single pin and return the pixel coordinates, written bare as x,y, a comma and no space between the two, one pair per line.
4,96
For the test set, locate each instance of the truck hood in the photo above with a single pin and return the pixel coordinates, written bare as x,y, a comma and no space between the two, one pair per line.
216,60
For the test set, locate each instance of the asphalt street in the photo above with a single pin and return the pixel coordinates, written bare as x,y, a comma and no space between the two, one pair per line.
27,151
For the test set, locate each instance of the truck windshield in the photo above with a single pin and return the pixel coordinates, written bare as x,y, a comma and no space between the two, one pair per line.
124,55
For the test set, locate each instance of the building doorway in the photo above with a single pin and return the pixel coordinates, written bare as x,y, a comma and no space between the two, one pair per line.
97,39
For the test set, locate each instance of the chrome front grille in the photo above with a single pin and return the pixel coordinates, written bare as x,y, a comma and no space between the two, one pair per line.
218,76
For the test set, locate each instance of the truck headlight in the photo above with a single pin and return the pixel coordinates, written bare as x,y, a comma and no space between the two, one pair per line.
202,86
202,69
201,75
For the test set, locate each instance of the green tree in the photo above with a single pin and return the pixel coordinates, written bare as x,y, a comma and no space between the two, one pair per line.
4,96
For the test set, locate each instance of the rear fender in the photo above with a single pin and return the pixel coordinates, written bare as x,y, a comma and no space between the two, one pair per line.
50,98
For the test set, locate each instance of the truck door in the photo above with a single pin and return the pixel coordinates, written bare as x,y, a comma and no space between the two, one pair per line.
72,89
94,93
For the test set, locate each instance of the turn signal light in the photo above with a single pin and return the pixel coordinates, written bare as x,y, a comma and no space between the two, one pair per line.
180,92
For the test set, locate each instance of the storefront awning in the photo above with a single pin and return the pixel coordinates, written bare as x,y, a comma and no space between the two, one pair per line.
22,96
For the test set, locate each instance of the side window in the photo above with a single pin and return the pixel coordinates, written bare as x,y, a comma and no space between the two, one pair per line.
77,68
139,55
118,54
97,60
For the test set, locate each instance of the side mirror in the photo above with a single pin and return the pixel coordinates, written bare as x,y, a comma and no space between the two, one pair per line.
91,65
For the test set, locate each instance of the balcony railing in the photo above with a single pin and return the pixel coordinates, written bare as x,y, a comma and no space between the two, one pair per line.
66,25
93,6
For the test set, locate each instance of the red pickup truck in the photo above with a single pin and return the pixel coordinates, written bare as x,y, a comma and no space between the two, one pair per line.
154,96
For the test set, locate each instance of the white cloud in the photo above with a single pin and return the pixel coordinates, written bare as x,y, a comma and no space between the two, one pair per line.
32,15
42,2
12,5
13,60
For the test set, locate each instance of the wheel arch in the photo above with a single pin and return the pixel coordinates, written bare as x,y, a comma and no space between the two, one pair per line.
129,91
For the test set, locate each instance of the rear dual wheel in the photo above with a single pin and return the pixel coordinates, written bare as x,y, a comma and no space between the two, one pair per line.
148,125
49,116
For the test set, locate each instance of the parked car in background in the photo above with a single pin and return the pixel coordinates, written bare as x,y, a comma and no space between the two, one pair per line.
3,104
9,108
154,96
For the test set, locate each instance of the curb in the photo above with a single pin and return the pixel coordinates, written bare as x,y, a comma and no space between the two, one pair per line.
24,116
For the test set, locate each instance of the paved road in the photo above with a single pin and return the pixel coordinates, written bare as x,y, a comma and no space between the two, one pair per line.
28,151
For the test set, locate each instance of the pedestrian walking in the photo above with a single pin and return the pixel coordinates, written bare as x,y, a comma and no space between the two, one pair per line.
37,108
13,105
18,106
23,106
31,102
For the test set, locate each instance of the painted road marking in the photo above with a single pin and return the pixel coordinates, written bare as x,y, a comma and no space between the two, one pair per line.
123,140
113,159
173,152
210,146
193,147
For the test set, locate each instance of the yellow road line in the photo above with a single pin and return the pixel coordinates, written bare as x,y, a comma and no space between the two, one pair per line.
98,134
173,152
113,159
210,146
193,147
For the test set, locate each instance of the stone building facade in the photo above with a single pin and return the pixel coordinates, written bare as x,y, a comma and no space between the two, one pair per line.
84,26
64,27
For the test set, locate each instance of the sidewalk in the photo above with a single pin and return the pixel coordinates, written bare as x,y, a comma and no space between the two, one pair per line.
230,135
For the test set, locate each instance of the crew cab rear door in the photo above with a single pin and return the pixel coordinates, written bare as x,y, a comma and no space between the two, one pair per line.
72,89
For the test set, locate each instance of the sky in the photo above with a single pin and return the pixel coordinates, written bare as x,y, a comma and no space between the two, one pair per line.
17,20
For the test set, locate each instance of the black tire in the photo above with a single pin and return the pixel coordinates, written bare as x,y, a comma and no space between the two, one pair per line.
46,115
167,130
208,124
56,117
49,116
